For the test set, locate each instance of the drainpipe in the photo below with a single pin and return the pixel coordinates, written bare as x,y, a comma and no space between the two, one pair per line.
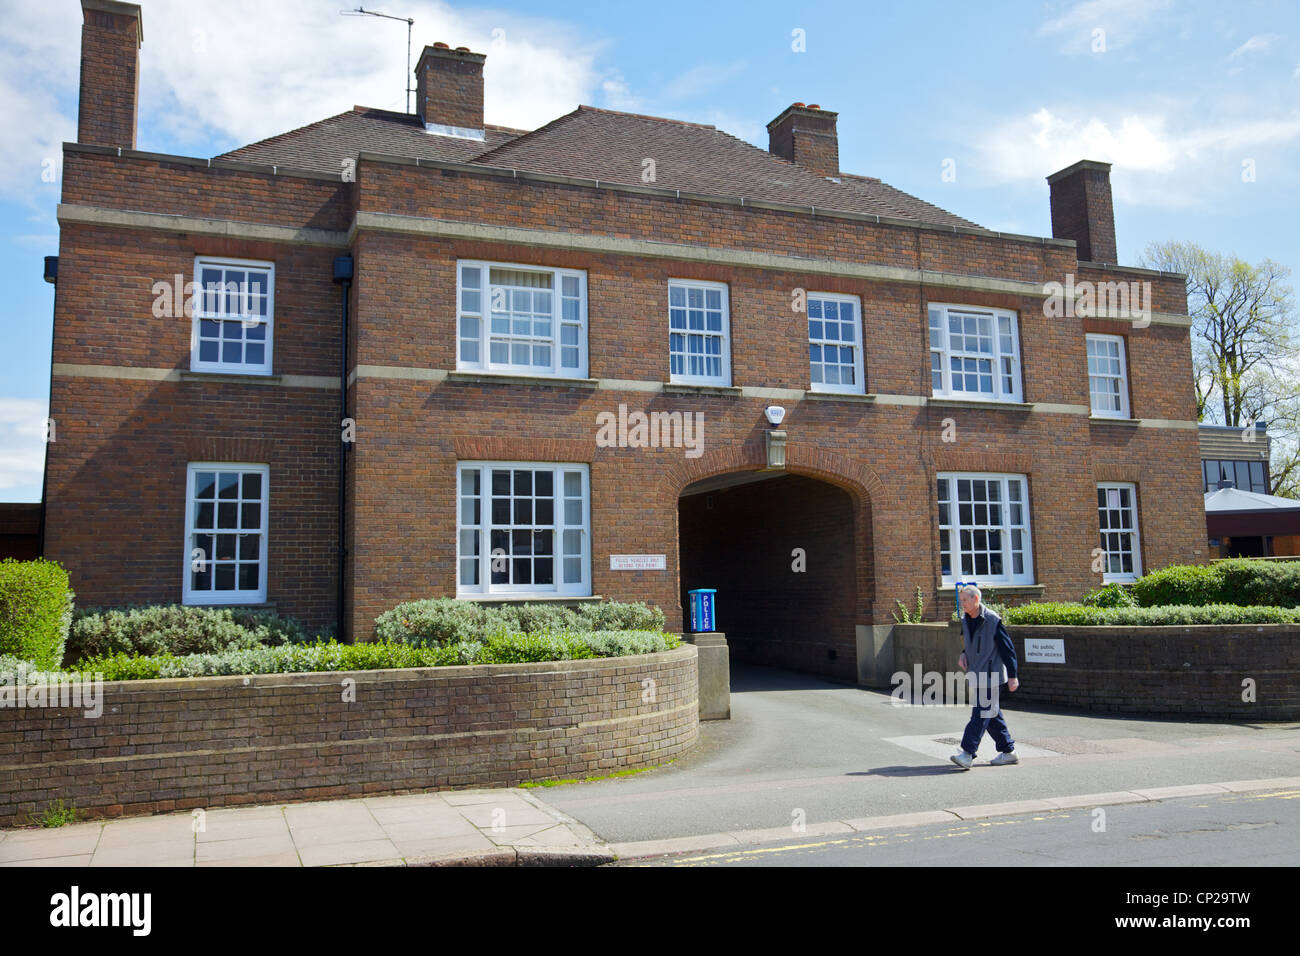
343,277
52,277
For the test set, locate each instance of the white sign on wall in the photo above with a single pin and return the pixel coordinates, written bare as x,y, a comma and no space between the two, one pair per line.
637,562
1045,651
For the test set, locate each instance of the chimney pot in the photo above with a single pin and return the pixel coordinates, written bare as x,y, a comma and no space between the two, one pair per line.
805,135
814,106
109,97
462,49
1082,210
442,46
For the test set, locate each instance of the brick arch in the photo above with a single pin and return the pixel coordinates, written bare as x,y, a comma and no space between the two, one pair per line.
801,459
864,487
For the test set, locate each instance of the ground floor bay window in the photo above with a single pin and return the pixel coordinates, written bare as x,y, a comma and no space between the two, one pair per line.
984,528
523,528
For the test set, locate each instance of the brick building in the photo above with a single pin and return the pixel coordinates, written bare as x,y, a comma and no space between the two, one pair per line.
561,348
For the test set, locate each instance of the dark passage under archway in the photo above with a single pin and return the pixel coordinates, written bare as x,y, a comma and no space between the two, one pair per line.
746,534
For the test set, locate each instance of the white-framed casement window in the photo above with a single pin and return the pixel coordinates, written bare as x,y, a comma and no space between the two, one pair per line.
1117,519
1107,376
699,333
523,528
974,353
984,528
234,312
519,319
835,343
225,533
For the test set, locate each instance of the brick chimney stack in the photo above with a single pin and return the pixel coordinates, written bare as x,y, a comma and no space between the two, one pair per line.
449,91
110,73
806,135
1082,210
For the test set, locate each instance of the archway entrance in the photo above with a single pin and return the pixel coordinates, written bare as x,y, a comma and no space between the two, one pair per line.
779,550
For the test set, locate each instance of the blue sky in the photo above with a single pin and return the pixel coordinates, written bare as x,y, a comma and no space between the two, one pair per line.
1183,99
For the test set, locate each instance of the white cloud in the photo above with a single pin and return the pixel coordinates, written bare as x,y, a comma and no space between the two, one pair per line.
1120,19
700,80
1256,44
1159,160
247,69
22,441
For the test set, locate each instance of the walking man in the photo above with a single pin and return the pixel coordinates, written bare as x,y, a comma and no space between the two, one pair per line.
991,658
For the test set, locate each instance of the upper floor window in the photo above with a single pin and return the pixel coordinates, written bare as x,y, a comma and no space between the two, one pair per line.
984,529
834,343
1107,377
974,354
233,316
1117,519
523,528
1247,475
699,337
521,319
225,533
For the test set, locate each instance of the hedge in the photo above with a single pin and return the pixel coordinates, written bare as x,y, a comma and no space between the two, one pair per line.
1081,615
178,630
1241,581
501,648
35,610
442,622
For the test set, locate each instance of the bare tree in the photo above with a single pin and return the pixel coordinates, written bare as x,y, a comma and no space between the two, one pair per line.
1244,353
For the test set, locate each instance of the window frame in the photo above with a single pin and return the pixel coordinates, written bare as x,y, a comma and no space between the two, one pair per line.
484,316
1123,411
860,380
1121,577
685,378
954,528
199,315
203,598
485,588
999,394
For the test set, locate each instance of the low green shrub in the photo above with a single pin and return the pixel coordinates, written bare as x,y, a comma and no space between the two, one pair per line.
35,610
1080,615
1110,595
502,647
442,622
1241,581
178,630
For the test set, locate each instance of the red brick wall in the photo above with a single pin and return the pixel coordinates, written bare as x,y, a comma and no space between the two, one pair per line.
110,79
1179,672
165,745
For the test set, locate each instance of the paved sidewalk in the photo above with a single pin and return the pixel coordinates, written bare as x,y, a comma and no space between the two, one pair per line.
447,828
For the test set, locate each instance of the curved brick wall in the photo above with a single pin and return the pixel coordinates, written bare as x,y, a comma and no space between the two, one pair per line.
1193,671
163,745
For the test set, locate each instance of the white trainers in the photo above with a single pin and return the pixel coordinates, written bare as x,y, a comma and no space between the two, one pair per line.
962,759
1009,757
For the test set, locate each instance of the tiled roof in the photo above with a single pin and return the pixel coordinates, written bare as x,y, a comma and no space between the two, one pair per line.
592,143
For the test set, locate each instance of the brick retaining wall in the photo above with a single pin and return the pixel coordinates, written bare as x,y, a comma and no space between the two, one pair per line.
164,745
1191,671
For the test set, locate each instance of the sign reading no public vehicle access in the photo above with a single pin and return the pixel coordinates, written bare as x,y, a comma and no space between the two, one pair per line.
1045,651
637,562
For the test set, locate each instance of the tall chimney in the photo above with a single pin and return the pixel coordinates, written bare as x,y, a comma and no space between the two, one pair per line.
1082,210
449,91
110,73
806,135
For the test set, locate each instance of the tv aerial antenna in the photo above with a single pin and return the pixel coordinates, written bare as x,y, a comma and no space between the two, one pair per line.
363,12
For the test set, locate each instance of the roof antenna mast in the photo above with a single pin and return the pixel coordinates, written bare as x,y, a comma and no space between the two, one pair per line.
362,11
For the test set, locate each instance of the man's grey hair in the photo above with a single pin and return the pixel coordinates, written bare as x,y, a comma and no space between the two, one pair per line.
971,589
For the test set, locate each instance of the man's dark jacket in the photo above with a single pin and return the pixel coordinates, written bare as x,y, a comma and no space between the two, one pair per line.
988,645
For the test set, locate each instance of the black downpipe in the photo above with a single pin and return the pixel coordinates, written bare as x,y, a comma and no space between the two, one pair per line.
343,276
52,277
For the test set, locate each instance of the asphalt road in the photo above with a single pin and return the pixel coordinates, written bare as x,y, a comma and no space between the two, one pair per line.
799,747
1247,829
